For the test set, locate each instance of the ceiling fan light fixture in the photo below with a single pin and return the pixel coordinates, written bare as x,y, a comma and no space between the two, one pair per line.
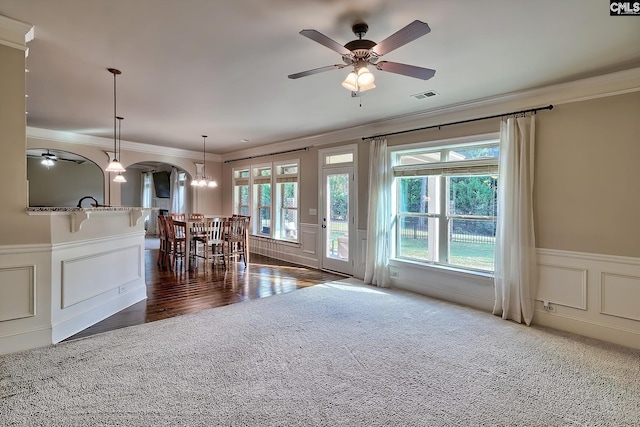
365,77
47,162
351,82
364,88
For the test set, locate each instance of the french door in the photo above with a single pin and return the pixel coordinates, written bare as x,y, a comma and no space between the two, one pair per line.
338,219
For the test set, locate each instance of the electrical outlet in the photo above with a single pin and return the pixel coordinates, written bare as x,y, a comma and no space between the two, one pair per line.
394,273
548,307
122,289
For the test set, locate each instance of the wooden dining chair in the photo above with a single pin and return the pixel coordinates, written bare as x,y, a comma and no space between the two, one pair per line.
177,241
196,216
198,228
212,242
237,237
177,216
163,252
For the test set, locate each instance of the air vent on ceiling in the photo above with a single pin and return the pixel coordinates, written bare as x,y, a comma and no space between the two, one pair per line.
424,95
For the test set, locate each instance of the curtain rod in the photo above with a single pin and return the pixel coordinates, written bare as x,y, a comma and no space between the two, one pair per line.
270,154
532,110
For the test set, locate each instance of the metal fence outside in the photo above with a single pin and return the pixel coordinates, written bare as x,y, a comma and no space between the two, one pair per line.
416,231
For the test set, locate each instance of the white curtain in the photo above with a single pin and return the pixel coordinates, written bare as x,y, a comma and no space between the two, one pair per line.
515,257
147,200
147,183
379,213
175,196
187,194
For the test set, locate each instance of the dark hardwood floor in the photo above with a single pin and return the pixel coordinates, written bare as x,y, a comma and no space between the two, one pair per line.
174,293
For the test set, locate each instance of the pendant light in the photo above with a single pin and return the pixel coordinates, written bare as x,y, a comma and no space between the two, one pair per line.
203,180
114,165
119,178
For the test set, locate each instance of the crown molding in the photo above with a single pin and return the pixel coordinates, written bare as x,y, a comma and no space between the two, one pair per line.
107,144
575,91
15,34
617,83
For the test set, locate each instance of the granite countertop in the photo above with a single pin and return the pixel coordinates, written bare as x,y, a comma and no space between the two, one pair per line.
96,209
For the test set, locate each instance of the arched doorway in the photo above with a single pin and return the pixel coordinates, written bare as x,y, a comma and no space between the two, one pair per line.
156,185
60,178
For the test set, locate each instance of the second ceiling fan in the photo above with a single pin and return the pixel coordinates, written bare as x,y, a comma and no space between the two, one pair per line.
360,53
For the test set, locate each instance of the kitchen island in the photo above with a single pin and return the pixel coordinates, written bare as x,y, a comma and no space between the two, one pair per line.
90,266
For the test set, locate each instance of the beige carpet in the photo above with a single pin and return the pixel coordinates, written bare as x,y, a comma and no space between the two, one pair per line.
340,354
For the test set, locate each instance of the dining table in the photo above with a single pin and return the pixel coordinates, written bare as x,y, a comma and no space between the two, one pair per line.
189,225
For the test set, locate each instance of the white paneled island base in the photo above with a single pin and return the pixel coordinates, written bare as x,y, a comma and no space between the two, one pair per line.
90,267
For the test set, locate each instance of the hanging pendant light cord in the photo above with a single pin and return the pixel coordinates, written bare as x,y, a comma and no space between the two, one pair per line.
120,136
204,172
115,150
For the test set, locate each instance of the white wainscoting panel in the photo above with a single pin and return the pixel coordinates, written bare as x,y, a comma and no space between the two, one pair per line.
620,296
309,238
102,271
564,285
304,253
594,295
17,292
360,257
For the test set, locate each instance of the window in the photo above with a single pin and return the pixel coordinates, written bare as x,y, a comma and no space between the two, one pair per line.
334,159
445,204
270,194
262,199
287,201
241,194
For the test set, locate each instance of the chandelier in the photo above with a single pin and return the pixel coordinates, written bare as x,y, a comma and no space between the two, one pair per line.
203,180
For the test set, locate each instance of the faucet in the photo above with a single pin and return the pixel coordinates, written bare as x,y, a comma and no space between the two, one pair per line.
94,204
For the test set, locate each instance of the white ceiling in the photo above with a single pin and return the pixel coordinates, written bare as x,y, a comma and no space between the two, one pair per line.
217,67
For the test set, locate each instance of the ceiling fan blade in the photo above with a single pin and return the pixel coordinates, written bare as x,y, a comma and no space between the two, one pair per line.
403,36
316,71
325,41
406,70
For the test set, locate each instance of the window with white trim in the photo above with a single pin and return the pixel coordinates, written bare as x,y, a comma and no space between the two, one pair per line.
241,194
270,194
287,201
445,204
261,184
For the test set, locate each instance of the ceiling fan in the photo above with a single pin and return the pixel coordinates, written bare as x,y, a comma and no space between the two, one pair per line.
360,53
48,158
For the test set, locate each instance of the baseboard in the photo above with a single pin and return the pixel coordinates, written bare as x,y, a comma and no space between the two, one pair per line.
589,329
69,327
25,340
293,258
485,304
